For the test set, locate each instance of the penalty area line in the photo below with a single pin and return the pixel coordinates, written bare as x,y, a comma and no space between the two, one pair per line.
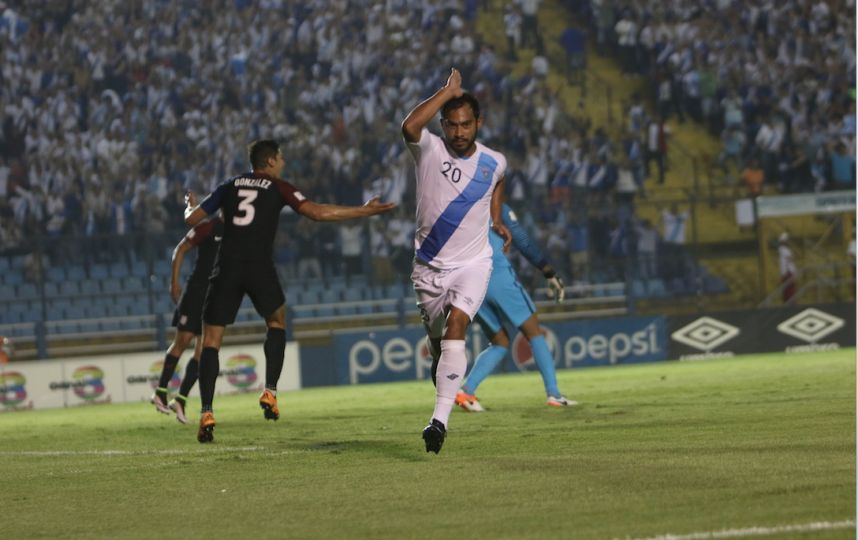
163,452
758,531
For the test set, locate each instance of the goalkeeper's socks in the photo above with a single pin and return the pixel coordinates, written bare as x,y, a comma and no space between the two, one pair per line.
484,365
451,370
545,362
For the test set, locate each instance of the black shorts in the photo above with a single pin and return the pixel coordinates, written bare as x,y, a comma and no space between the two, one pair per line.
188,316
231,280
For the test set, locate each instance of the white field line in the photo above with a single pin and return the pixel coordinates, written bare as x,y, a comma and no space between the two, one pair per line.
166,452
758,531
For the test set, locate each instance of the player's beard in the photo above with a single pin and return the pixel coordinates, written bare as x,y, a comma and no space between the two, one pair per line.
463,146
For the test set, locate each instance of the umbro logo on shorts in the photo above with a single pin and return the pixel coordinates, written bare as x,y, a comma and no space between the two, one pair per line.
453,376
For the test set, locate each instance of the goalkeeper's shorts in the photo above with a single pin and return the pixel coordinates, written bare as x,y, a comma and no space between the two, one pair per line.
506,301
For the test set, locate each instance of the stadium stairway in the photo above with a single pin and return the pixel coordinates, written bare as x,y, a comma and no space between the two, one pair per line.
724,249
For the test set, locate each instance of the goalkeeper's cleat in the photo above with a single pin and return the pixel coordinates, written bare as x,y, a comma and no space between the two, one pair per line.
434,435
468,402
268,402
159,403
560,401
178,407
207,424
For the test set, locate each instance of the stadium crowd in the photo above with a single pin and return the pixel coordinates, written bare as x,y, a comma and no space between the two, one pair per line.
775,80
105,128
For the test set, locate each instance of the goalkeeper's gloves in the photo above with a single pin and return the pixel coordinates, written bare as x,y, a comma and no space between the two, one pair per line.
555,285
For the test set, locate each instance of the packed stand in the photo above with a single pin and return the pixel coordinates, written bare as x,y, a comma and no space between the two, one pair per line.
775,80
105,129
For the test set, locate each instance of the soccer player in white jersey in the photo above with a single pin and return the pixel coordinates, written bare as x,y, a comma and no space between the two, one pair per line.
459,193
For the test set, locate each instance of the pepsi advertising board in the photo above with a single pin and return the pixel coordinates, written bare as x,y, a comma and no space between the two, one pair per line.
400,355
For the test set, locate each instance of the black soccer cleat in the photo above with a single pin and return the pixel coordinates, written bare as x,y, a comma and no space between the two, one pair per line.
434,435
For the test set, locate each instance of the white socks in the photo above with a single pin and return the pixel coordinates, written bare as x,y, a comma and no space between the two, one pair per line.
448,377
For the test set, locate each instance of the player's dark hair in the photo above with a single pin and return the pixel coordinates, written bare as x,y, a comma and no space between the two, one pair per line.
461,101
259,152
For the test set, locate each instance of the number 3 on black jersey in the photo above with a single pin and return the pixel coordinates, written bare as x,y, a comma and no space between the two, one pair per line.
245,206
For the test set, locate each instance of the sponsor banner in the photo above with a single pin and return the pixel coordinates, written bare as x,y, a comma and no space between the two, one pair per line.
600,342
242,369
26,385
399,355
391,355
132,377
817,328
806,203
91,382
788,329
142,371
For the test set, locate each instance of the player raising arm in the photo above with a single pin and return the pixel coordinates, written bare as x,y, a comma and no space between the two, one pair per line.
251,205
459,191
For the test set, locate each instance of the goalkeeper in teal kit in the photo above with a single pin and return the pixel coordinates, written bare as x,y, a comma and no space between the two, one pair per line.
506,300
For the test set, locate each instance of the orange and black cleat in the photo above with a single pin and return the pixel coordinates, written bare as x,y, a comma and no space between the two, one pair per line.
207,424
268,402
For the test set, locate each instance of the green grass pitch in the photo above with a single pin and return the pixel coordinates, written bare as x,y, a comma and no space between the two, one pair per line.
681,448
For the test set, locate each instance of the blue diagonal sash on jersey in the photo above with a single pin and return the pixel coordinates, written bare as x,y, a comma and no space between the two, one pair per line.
455,212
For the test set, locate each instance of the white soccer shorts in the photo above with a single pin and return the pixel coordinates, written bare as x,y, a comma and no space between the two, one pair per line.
463,287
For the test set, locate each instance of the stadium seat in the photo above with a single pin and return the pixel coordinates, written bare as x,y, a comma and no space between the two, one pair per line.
134,324
118,270
117,310
27,291
393,290
76,273
96,310
109,325
90,287
352,295
88,326
13,277
656,288
52,288
23,331
56,273
132,284
111,286
98,271
329,296
67,288
308,297
74,312
7,293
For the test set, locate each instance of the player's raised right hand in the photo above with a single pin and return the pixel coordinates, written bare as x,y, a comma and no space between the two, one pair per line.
454,83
